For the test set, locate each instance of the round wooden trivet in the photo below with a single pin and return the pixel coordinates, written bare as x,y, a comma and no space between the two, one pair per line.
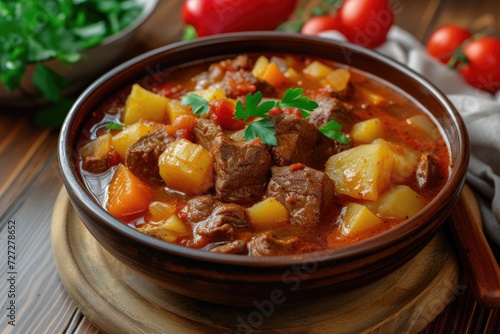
119,300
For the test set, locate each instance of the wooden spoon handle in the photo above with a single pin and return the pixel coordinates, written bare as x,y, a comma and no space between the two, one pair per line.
480,265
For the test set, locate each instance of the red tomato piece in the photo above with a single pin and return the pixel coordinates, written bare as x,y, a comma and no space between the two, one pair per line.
289,111
222,113
366,22
317,24
483,67
445,40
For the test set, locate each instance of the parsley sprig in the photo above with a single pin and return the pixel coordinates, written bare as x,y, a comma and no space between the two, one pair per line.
114,126
198,104
332,130
263,127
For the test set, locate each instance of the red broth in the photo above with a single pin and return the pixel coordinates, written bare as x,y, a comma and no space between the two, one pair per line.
247,196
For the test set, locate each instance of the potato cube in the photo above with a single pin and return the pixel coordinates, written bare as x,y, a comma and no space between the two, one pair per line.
175,109
167,230
291,74
424,125
337,80
260,66
361,172
405,161
123,139
187,167
399,202
98,148
211,94
371,96
268,213
365,132
161,210
144,104
355,217
317,70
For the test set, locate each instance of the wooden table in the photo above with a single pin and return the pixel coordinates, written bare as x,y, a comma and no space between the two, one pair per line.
30,181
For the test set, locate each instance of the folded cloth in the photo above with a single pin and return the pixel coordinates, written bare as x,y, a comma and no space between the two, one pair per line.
479,110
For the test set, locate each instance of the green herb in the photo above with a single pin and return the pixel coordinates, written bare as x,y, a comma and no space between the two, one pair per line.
34,31
189,33
291,26
264,128
326,7
293,99
332,130
255,108
198,104
49,82
114,126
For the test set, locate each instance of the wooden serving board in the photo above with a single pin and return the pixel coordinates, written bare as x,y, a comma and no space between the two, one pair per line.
119,300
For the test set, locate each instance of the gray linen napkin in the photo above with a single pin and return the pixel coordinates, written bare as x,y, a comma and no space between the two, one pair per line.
479,110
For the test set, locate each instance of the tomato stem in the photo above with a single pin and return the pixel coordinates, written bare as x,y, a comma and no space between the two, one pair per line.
458,59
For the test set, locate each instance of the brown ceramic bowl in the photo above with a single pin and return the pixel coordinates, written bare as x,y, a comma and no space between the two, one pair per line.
241,280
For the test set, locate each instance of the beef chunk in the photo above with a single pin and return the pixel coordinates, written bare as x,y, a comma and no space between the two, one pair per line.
234,76
239,83
205,132
241,62
214,221
296,138
95,165
241,170
216,71
233,247
307,193
142,156
267,244
326,147
331,108
427,170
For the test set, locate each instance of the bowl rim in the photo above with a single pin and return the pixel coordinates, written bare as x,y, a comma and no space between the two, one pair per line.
380,241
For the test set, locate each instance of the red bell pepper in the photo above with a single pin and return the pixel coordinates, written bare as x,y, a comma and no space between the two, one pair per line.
209,17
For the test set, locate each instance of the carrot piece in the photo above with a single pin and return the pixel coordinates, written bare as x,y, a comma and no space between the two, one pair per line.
128,196
273,75
186,122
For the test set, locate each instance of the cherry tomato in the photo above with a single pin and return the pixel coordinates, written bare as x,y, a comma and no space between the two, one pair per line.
222,113
366,22
445,40
317,24
483,67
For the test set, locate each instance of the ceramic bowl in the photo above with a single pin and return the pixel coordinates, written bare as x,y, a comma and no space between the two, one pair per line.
95,62
242,280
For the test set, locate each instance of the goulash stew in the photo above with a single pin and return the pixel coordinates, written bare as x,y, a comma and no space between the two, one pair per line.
263,155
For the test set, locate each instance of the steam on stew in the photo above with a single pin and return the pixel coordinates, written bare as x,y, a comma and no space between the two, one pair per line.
263,155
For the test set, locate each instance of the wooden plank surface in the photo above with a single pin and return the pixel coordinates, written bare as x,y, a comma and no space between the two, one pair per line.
30,181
